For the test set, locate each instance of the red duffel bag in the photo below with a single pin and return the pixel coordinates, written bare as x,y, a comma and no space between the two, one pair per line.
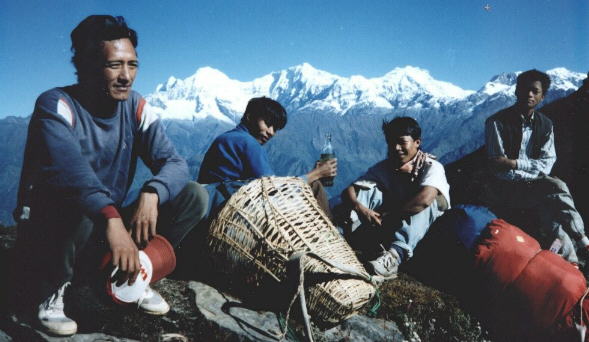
532,292
503,253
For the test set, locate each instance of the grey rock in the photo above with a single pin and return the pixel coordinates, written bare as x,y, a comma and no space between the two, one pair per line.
4,337
96,337
360,328
21,331
249,325
227,314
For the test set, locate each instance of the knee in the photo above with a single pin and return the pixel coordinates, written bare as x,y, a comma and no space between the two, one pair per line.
561,185
316,186
195,198
557,185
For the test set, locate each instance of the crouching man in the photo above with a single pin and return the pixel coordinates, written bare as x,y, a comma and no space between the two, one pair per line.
82,148
400,196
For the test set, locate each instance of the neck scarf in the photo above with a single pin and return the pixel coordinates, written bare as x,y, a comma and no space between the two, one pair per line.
415,165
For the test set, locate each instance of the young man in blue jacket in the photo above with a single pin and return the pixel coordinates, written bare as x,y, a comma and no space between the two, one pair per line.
238,154
80,158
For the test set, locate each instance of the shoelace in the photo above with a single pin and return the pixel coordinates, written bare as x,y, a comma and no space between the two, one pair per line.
146,294
55,302
386,259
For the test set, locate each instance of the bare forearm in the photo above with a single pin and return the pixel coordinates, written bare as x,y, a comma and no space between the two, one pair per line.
312,176
365,214
424,198
349,196
322,169
502,163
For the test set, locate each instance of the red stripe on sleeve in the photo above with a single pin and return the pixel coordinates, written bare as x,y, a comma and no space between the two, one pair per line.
110,212
139,111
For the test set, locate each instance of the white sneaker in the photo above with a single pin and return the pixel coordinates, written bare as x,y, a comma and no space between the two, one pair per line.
387,264
51,315
153,303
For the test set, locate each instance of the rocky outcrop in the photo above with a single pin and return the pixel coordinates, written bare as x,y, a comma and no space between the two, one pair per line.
245,324
199,313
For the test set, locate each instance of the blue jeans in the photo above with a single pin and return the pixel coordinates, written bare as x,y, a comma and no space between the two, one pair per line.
407,231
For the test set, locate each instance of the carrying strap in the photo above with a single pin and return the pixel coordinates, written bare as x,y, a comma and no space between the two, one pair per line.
581,327
296,272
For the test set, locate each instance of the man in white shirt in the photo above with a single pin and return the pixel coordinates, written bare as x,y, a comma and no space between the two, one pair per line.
400,196
520,147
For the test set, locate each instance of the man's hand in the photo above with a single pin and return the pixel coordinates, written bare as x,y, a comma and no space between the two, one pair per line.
503,163
144,221
368,215
323,169
125,254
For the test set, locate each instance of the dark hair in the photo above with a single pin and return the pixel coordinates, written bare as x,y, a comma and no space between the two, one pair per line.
89,35
266,109
400,126
527,77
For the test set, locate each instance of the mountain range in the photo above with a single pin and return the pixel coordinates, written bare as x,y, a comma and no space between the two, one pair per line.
198,108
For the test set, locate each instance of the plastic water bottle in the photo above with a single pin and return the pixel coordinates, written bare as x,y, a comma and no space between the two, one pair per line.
327,153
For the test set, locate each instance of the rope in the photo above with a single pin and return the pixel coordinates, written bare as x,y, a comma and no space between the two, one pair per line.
290,334
581,328
374,309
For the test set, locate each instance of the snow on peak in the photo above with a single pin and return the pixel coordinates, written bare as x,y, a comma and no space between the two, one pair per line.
409,71
211,93
563,73
308,73
561,79
501,83
564,79
410,81
209,75
207,93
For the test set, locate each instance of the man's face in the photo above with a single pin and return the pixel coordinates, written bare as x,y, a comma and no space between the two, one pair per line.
262,132
529,95
119,69
403,148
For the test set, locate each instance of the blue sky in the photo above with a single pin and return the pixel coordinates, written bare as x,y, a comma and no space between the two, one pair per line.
456,40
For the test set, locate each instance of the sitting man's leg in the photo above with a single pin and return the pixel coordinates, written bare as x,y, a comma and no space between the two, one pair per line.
175,220
48,248
179,216
322,199
565,248
406,234
559,215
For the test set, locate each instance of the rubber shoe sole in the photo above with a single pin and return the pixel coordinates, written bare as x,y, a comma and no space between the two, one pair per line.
69,330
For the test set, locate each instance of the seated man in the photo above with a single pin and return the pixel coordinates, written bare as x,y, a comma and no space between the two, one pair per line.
401,195
520,147
82,148
238,154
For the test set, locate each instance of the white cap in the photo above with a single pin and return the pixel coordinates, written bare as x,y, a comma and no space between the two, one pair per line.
131,294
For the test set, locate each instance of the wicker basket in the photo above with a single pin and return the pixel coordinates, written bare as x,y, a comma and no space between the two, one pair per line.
270,219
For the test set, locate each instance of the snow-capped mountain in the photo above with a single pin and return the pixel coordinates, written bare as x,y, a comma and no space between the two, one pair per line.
210,93
321,101
200,107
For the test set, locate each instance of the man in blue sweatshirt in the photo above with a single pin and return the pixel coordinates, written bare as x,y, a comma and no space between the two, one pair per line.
80,158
